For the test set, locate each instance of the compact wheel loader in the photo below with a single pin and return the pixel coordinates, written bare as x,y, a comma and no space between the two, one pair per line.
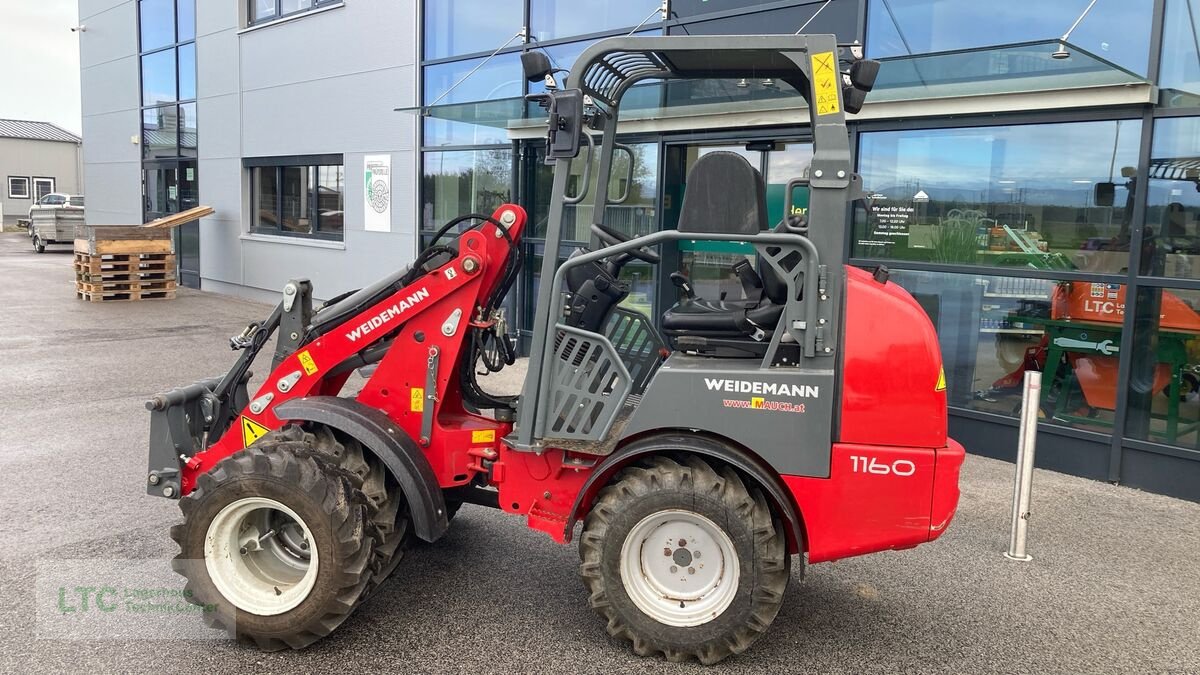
699,460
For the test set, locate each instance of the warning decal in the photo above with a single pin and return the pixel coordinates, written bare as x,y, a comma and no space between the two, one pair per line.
941,383
251,431
484,436
417,404
825,78
306,360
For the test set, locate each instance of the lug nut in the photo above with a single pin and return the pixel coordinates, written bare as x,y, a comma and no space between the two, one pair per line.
691,570
674,569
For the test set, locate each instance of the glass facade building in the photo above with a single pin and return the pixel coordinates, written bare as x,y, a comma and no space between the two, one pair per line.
1038,192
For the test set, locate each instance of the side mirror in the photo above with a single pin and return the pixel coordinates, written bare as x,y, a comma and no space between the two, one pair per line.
863,73
1105,194
853,99
536,65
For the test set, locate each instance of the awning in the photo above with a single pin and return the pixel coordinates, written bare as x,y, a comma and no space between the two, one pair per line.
1049,67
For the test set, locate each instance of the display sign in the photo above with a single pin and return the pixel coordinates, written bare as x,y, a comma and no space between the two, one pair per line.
889,222
377,193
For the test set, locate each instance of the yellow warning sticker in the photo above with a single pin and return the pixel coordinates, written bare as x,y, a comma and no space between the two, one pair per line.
251,431
484,436
306,360
417,404
825,82
941,385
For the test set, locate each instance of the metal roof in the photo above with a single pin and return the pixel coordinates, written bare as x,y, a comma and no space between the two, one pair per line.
35,131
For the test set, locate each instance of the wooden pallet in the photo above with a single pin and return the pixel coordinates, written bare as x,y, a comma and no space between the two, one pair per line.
91,268
127,295
124,276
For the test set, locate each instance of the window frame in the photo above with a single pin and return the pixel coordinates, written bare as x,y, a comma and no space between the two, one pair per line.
53,185
278,165
28,187
279,16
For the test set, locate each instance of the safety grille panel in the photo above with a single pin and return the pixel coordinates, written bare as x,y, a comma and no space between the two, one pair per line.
588,385
637,343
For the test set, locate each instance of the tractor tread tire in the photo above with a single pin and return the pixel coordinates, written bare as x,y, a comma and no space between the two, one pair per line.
765,562
324,489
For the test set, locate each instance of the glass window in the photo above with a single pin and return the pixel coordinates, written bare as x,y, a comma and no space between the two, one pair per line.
299,200
840,18
500,78
157,20
187,20
992,329
160,135
1115,30
158,77
1171,241
331,192
1179,70
552,19
187,129
261,10
160,190
688,8
187,72
292,6
266,196
788,161
43,187
1049,196
448,132
455,27
1164,381
460,182
18,187
297,192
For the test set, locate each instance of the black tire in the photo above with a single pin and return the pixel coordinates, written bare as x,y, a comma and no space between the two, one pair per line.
38,244
686,483
333,510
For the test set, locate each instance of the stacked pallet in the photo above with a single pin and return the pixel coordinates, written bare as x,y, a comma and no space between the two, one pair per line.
117,263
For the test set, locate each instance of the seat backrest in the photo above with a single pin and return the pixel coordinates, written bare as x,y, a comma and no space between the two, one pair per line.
725,195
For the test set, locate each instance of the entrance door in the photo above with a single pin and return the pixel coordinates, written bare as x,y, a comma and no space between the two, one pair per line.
168,188
709,264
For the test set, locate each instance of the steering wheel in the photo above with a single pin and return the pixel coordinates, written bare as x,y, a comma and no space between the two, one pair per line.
611,237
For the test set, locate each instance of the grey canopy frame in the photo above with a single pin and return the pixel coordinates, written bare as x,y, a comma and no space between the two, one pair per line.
604,73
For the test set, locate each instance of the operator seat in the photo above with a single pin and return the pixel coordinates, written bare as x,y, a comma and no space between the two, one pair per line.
726,195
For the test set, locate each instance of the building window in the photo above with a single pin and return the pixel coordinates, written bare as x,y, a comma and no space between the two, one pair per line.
1171,240
1164,386
1049,196
992,329
42,187
466,181
298,198
18,187
553,19
167,29
454,27
1118,32
269,10
1179,74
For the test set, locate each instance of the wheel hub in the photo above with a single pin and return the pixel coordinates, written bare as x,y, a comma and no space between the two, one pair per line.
679,568
260,556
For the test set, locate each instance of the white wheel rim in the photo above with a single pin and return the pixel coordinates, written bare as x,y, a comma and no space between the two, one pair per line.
279,567
679,568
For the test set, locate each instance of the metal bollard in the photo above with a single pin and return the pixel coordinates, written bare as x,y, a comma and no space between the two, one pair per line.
1030,402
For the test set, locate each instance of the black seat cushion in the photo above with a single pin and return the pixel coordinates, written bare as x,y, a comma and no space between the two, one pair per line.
688,318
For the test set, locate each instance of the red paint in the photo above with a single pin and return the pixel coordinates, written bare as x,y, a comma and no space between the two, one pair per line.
890,367
856,512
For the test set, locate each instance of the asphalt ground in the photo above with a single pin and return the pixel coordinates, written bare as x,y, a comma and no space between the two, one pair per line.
1114,586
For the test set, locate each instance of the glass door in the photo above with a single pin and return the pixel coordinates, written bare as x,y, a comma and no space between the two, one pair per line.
169,187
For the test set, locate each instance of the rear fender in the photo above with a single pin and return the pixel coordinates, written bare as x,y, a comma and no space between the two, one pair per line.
709,447
387,441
